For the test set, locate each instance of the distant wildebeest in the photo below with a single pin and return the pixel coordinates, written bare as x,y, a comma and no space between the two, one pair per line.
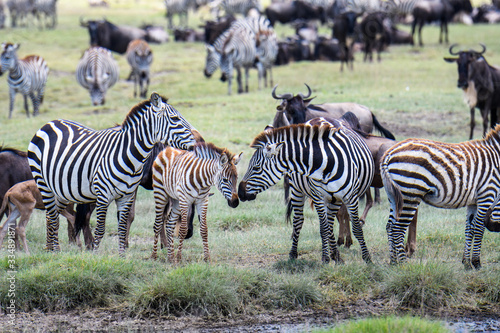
97,71
286,12
327,49
344,30
298,109
293,49
480,83
140,57
27,76
115,38
398,36
155,34
374,34
427,11
188,35
213,29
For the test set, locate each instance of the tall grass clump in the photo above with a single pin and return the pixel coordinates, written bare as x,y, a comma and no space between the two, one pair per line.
388,324
485,283
68,282
424,285
297,292
296,266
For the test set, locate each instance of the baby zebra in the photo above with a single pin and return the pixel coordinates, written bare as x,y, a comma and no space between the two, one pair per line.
27,76
140,57
97,71
183,178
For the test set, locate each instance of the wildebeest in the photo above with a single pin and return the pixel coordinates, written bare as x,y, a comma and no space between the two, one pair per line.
344,30
293,49
426,11
374,34
298,109
480,83
108,35
286,12
214,29
327,49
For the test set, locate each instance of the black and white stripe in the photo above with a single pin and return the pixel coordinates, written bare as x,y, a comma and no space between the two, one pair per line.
267,47
46,13
184,178
97,71
331,165
73,163
27,76
443,175
180,8
140,57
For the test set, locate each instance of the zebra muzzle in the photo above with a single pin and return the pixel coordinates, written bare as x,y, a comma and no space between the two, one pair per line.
242,193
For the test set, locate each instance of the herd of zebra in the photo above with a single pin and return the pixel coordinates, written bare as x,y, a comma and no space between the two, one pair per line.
24,12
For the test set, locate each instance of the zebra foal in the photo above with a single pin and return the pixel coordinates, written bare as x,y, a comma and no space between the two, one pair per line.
73,163
27,76
140,57
184,178
332,165
444,175
97,71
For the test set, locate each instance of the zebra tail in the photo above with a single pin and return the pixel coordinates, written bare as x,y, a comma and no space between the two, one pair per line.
81,217
289,209
392,190
381,129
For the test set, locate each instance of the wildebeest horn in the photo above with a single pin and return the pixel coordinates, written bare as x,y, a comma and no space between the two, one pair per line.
451,49
484,49
284,96
309,94
83,23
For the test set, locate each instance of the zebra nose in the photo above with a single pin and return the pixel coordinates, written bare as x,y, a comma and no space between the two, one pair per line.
233,203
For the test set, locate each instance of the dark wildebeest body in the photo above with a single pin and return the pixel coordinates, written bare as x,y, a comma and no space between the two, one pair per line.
427,11
344,30
214,29
15,168
286,12
327,49
375,36
480,83
115,38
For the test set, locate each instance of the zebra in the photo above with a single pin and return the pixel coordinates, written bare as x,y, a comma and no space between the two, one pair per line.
184,178
19,10
97,71
48,9
242,7
27,76
444,175
140,57
74,163
181,8
335,162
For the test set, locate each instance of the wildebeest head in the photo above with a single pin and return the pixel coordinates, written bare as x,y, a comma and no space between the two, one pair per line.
466,61
294,106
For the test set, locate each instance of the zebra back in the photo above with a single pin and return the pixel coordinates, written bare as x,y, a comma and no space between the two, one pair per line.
97,71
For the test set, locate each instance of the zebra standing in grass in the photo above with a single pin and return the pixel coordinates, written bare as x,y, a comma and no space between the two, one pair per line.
267,47
140,57
46,8
444,175
73,163
181,8
27,76
19,11
184,178
336,162
97,71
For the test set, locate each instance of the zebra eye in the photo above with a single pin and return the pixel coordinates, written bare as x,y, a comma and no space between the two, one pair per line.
225,180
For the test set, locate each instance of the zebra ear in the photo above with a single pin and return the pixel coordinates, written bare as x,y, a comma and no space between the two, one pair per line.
16,46
155,100
237,158
268,128
273,149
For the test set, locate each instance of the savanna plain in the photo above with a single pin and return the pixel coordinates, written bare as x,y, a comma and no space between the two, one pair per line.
250,280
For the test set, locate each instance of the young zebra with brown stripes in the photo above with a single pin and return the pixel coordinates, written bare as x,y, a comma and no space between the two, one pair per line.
183,178
27,76
445,175
140,57
335,163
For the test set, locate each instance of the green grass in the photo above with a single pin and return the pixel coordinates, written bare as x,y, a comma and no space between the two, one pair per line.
412,92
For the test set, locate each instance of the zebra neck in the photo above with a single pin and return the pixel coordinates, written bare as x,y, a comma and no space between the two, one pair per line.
15,72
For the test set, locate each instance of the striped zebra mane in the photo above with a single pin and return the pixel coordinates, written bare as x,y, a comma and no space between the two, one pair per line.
266,136
14,151
492,136
139,108
207,150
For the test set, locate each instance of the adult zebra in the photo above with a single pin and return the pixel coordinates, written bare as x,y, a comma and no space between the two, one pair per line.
178,7
140,57
97,71
182,179
444,175
73,163
48,9
241,7
336,164
27,76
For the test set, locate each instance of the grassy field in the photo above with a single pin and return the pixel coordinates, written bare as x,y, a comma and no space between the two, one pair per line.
412,92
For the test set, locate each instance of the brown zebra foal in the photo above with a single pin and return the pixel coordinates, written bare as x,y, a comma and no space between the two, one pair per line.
182,178
445,175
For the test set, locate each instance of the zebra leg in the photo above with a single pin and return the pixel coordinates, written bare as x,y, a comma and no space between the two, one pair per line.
12,95
474,229
324,230
160,205
36,104
52,229
352,208
172,220
332,211
184,209
123,206
297,200
101,210
202,210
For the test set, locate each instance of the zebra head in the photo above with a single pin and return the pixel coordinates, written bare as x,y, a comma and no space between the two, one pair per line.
263,169
227,177
8,57
172,129
212,61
